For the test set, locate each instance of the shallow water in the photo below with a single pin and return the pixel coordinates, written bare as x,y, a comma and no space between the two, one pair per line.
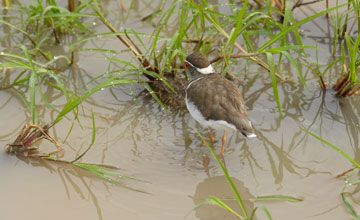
135,134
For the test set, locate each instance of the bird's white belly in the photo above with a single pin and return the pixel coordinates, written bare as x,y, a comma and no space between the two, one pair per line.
196,114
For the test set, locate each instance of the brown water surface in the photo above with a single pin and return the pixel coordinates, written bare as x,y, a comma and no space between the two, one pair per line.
135,134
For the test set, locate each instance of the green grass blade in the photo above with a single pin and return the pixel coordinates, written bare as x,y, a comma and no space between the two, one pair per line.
286,16
121,62
105,166
275,198
284,26
233,188
136,36
328,67
182,26
297,34
43,97
349,207
94,171
334,148
76,101
152,93
294,26
92,138
266,211
355,182
33,79
56,58
252,19
270,60
288,47
216,201
292,61
32,96
216,25
72,125
253,213
353,52
19,29
236,31
96,168
23,98
269,10
22,65
100,174
108,51
18,81
60,84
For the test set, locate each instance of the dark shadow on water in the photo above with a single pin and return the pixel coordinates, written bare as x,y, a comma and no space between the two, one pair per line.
219,187
350,108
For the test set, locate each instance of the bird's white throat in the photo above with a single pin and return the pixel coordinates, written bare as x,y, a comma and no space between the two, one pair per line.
206,70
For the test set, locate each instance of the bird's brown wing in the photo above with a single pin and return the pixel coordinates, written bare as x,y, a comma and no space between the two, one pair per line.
200,94
219,99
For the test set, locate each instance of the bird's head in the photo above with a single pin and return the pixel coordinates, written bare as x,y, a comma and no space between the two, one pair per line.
198,64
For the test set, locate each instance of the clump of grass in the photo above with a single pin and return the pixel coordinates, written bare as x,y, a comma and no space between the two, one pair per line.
211,27
33,133
34,75
348,84
47,15
30,135
44,17
339,21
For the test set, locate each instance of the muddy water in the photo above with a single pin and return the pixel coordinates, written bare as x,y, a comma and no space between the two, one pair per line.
134,133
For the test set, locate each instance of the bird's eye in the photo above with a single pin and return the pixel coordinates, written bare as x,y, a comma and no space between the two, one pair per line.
186,65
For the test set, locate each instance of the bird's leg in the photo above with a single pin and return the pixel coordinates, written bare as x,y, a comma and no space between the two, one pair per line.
223,143
211,139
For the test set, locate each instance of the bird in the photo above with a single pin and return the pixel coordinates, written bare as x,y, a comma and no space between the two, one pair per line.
214,101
